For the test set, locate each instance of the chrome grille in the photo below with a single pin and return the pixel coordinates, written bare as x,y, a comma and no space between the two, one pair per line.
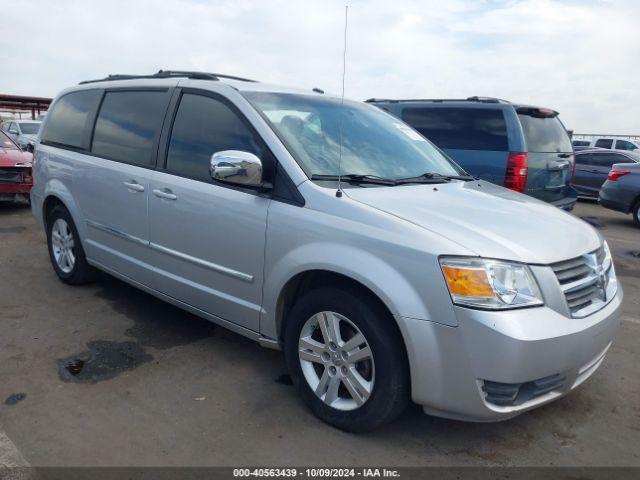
584,281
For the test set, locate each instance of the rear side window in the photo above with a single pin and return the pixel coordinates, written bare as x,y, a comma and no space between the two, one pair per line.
604,143
583,159
544,134
67,122
127,126
202,127
460,128
580,143
624,145
606,159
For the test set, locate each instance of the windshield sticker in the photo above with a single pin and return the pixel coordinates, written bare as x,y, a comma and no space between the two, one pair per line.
409,132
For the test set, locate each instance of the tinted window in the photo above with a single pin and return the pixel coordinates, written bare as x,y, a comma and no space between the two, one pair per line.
127,125
583,159
202,127
67,120
544,134
604,143
607,159
624,145
460,128
581,143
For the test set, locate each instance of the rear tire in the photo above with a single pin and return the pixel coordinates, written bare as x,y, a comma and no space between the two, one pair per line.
65,249
371,370
636,213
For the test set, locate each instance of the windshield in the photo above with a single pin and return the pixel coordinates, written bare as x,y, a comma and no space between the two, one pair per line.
6,143
29,128
319,130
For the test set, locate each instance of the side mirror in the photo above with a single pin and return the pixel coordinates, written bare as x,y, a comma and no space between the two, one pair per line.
237,168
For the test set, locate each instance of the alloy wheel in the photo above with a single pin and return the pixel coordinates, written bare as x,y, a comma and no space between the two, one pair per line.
336,361
62,245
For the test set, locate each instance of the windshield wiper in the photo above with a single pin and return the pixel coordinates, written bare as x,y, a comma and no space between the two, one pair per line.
432,177
356,178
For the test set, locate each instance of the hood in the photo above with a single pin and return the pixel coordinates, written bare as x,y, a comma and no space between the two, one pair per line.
9,158
31,137
490,221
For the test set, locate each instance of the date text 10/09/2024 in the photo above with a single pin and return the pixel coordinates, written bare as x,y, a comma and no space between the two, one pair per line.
317,472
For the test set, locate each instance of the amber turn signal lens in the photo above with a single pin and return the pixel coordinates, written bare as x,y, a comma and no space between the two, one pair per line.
468,282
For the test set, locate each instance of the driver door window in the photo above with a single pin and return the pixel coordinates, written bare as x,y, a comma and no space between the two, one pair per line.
202,127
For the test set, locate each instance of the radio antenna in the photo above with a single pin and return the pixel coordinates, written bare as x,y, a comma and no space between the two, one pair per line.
344,72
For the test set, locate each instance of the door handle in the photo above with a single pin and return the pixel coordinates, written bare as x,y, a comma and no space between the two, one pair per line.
134,186
555,165
165,193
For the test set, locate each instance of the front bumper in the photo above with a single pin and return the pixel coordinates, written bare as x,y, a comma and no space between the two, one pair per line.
450,364
13,188
10,190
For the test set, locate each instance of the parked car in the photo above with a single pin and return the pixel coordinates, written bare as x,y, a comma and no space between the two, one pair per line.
614,143
579,148
581,144
15,170
621,191
382,269
592,168
524,148
23,132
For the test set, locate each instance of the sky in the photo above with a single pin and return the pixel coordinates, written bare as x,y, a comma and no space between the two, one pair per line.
579,57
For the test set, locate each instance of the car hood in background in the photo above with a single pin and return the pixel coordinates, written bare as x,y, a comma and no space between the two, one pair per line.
489,220
10,158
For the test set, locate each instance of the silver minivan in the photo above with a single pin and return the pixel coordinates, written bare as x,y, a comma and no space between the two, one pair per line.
333,231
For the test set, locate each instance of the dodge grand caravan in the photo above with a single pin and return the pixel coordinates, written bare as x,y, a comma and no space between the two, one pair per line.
521,147
333,231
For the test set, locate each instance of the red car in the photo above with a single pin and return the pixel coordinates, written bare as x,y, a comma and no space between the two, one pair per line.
16,177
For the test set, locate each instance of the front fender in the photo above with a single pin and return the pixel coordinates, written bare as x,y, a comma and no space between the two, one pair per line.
380,277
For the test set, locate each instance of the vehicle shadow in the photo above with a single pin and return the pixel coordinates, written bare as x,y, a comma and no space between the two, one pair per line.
10,207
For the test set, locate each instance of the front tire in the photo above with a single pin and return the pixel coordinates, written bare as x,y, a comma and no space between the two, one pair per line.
65,249
347,358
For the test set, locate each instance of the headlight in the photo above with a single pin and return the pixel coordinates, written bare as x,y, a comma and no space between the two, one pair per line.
490,284
607,264
608,258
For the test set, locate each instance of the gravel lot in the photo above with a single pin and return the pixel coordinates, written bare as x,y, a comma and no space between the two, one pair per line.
199,395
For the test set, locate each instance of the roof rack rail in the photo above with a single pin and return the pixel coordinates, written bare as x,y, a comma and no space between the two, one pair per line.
169,74
439,100
476,98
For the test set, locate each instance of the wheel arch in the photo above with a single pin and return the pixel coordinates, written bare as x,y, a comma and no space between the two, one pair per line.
56,193
308,280
50,202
